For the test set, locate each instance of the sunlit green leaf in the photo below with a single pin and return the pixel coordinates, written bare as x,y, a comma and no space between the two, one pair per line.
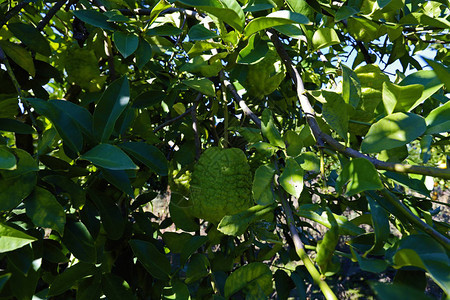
109,157
277,18
357,176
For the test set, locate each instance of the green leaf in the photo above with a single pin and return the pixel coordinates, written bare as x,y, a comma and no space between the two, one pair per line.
120,179
93,18
109,157
177,290
110,214
237,224
344,12
427,78
281,17
153,261
393,131
73,190
424,252
80,115
294,143
160,7
12,125
317,214
147,154
357,176
115,288
249,277
335,112
180,213
418,18
203,85
70,277
191,246
441,71
30,36
438,120
197,268
12,239
351,86
363,29
17,184
325,247
370,264
109,108
254,52
45,211
291,179
258,5
397,291
63,122
269,130
7,159
143,53
265,148
324,37
380,222
200,33
400,98
4,279
164,30
229,11
19,55
309,161
126,42
79,241
262,182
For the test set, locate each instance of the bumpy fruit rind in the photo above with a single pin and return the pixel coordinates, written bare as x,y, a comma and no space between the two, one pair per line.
221,184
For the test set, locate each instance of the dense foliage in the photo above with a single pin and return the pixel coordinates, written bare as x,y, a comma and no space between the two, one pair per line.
338,133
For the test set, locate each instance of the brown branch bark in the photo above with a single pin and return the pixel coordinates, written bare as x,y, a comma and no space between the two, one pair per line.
247,111
322,137
186,112
300,250
12,12
51,12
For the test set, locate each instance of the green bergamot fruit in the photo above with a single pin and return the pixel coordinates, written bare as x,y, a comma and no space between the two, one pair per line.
221,184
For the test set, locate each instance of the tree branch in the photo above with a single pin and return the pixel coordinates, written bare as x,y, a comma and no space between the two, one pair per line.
186,112
16,84
51,12
12,12
412,218
322,137
247,111
300,249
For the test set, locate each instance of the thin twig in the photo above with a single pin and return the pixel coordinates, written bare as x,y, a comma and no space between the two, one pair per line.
247,111
12,12
322,137
16,84
186,112
51,12
110,54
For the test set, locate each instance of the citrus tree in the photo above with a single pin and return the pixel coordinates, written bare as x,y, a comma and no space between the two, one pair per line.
296,142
